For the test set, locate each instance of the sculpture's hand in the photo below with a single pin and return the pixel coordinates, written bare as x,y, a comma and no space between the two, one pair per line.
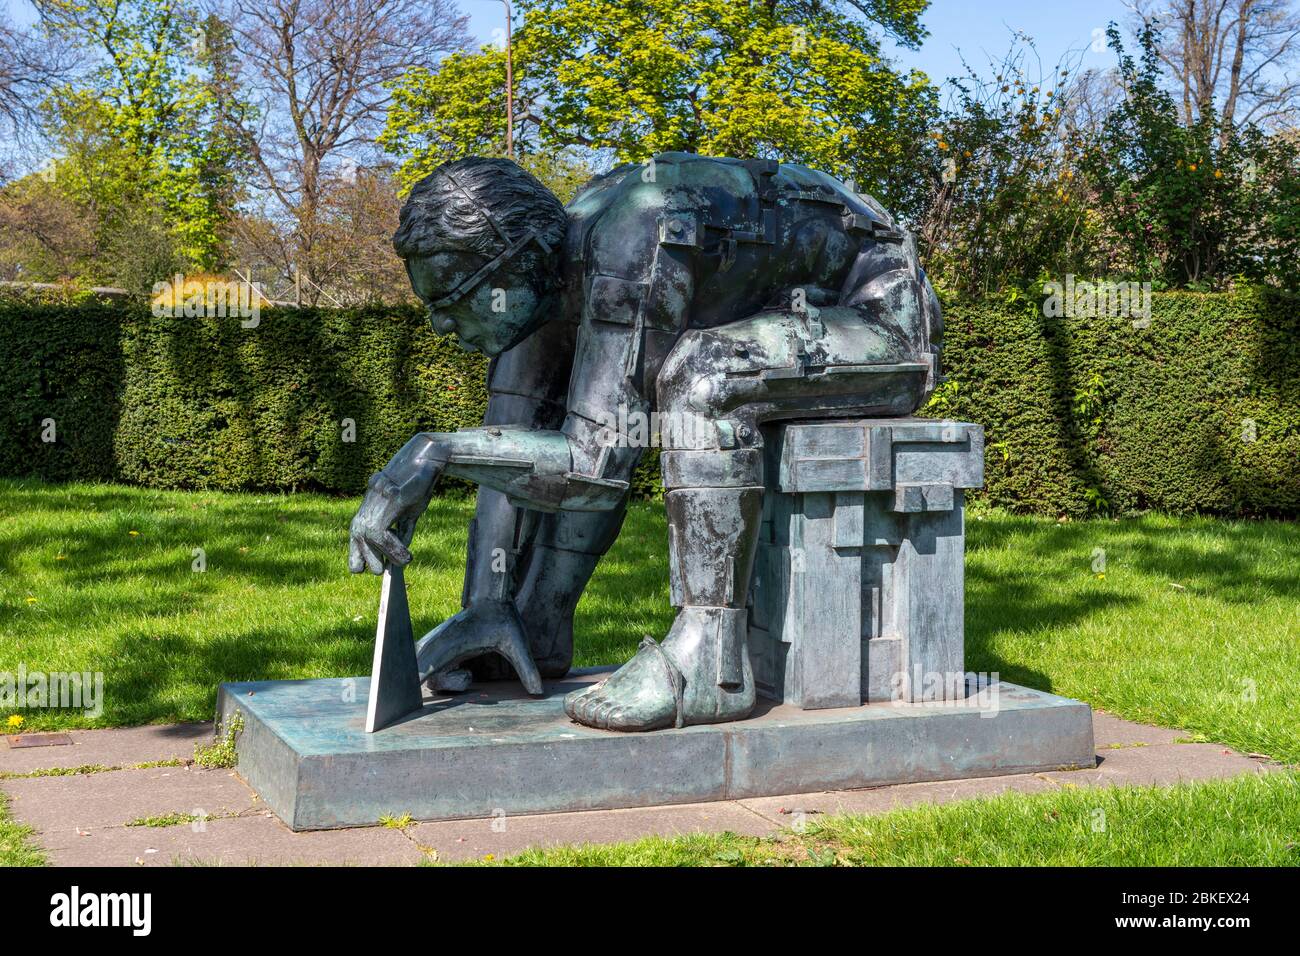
395,499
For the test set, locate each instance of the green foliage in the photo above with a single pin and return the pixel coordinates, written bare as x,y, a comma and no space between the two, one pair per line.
221,755
173,819
455,111
1008,203
141,142
1054,173
1192,205
207,403
16,844
1244,821
798,80
1197,412
63,366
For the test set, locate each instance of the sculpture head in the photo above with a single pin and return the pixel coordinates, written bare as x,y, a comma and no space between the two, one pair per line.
482,240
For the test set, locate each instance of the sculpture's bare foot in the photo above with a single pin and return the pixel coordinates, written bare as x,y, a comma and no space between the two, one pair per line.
675,683
485,627
551,645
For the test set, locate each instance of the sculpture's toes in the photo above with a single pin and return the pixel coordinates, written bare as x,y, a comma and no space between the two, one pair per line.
641,695
575,702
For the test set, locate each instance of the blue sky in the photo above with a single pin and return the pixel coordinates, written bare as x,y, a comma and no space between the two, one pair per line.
973,27
977,28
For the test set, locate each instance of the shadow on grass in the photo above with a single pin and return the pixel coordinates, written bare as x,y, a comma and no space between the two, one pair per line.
162,671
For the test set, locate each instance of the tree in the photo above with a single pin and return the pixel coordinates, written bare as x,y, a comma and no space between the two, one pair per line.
319,89
136,131
1008,205
44,235
803,81
1229,57
1190,206
30,64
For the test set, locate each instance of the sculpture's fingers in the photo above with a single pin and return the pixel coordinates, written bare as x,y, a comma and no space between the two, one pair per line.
356,563
392,548
373,562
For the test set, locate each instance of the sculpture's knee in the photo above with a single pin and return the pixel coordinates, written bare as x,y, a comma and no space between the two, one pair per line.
709,378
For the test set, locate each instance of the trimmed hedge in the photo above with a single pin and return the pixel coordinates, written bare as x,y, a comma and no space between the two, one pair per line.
205,403
1199,411
1082,415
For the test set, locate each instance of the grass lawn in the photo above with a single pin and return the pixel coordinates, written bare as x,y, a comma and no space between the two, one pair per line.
102,578
1247,821
1194,622
14,848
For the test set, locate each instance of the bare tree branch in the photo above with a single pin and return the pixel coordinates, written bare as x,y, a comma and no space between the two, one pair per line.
318,76
1232,59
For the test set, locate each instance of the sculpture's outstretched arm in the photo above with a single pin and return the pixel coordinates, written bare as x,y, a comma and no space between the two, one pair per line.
526,387
532,469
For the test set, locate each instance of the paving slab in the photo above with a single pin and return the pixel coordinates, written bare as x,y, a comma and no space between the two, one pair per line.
98,800
1113,732
116,747
258,840
1163,766
457,840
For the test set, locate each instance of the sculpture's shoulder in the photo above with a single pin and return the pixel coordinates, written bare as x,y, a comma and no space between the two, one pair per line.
614,221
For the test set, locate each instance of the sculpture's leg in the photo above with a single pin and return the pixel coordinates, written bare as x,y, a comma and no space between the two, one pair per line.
558,559
701,672
498,530
526,386
713,390
564,554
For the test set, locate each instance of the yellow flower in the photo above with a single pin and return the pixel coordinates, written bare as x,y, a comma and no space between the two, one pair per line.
1192,167
31,600
942,144
134,534
1218,174
15,720
490,857
61,557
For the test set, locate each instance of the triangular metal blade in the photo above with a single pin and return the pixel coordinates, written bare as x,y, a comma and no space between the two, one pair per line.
394,677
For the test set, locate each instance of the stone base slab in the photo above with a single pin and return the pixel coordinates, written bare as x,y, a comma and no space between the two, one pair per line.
493,750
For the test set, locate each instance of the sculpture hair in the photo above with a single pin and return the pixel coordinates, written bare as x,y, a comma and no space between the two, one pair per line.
448,211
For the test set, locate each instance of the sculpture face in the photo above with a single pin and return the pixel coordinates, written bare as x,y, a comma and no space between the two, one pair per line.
490,316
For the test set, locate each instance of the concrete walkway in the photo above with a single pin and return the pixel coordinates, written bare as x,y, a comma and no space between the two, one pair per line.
83,819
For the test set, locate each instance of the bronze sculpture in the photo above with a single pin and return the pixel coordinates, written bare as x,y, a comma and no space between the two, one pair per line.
719,294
